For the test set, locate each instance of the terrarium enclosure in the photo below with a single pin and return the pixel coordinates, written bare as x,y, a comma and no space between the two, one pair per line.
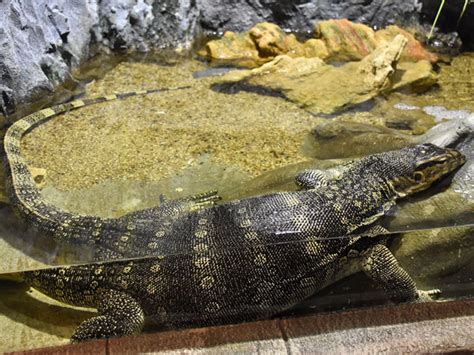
214,162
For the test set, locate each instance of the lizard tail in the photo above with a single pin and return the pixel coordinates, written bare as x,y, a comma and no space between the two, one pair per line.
23,193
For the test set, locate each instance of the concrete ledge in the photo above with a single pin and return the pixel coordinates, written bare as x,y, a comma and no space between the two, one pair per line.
418,328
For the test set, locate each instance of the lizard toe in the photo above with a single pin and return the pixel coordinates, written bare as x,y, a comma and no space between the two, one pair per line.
429,295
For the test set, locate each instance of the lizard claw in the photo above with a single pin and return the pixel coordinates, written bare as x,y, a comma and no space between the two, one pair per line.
430,295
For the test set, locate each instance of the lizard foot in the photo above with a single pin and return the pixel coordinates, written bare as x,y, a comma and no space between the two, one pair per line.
120,315
430,295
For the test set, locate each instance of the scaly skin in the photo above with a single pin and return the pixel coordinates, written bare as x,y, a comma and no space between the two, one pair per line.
242,260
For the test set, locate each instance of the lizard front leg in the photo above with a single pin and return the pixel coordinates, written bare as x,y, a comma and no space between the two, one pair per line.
120,315
381,266
311,179
316,178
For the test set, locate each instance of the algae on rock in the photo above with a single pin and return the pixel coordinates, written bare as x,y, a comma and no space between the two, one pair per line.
349,41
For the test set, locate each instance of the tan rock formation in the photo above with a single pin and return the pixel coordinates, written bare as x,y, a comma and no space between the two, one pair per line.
337,40
321,88
259,45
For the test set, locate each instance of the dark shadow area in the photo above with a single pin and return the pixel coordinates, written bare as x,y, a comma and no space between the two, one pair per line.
17,303
234,88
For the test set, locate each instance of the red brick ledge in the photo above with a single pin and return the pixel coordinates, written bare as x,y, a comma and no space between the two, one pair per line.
420,327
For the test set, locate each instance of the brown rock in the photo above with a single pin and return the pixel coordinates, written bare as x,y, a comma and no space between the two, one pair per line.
259,45
271,41
317,87
237,49
418,76
315,48
413,51
339,40
346,40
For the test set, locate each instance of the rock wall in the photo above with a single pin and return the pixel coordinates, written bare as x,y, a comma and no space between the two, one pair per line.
218,15
42,40
39,42
449,18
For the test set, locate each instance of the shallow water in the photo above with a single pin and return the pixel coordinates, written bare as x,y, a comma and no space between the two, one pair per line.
116,157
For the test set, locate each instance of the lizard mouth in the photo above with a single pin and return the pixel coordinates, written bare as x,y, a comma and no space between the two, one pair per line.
428,171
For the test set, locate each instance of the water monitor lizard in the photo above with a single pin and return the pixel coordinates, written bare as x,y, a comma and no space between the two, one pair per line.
242,260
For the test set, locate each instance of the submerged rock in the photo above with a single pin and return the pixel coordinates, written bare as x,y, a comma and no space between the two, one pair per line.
343,139
340,138
437,258
322,88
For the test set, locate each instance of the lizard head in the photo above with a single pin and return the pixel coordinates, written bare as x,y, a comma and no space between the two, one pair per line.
416,168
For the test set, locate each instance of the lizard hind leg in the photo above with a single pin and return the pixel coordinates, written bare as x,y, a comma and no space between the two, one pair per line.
380,265
119,315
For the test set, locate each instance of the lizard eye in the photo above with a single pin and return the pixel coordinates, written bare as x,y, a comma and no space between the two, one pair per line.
419,176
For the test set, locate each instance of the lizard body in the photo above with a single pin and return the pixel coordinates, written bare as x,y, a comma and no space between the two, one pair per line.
241,260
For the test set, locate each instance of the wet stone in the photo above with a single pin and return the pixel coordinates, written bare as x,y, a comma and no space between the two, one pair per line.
316,86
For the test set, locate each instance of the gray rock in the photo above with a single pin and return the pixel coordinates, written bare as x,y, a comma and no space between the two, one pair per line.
40,41
217,15
448,133
123,24
175,24
449,17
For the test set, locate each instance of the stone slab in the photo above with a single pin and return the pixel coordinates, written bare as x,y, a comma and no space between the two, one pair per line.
407,328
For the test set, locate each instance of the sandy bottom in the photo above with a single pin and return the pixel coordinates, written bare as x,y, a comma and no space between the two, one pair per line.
155,136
